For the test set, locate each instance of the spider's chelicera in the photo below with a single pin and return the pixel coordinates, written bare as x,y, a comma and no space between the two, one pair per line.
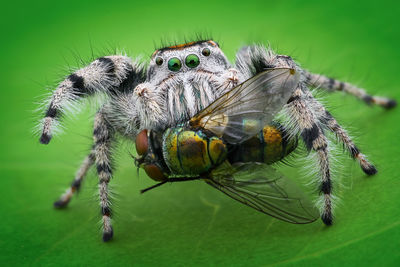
179,82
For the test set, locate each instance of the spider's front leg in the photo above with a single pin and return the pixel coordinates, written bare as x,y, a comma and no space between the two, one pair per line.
109,75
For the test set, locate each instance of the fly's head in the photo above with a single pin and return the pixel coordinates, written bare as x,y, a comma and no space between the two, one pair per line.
147,147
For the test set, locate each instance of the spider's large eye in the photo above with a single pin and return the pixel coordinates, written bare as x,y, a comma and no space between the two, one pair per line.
174,64
159,61
192,61
206,52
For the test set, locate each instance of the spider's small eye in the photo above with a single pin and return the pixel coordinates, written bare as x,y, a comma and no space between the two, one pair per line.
159,61
206,52
192,61
174,64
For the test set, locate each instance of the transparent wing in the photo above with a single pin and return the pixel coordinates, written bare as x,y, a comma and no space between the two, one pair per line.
242,112
263,188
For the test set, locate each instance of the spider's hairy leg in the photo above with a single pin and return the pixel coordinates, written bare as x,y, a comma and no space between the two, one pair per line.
254,59
76,183
330,122
329,84
314,139
107,75
103,136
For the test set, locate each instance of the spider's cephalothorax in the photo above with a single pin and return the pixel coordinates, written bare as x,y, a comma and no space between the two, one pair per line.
186,78
177,83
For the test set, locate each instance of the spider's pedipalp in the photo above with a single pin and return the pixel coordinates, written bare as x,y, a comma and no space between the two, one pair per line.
329,84
104,75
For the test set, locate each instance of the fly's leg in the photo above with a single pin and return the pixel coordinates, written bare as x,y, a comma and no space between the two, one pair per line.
329,84
308,126
103,136
76,183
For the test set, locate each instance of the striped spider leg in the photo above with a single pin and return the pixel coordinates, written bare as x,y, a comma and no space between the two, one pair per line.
308,118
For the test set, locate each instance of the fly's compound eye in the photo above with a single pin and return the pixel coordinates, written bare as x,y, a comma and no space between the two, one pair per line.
206,52
174,64
142,143
159,61
154,172
192,61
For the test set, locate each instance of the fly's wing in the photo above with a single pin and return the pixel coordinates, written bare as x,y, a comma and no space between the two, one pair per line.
242,112
263,188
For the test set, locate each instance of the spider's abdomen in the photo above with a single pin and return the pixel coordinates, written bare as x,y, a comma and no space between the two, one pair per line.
270,145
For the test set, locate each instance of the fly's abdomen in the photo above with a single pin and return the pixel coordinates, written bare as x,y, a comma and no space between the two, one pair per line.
188,152
270,145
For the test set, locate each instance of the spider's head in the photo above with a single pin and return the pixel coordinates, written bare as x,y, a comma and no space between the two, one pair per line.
190,58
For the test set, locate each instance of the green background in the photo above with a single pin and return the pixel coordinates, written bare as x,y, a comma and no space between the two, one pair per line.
191,223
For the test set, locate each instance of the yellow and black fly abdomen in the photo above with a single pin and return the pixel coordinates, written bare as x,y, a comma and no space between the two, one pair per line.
192,152
189,152
270,145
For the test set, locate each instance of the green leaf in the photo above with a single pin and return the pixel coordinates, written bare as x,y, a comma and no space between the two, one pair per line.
192,223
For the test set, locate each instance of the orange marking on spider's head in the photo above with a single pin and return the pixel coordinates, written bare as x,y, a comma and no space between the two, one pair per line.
180,46
211,42
155,52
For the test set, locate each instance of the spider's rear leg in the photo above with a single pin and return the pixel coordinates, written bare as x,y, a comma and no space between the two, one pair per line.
103,136
329,121
314,139
329,84
76,183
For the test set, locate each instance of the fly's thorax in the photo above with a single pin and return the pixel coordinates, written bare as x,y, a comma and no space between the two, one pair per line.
192,153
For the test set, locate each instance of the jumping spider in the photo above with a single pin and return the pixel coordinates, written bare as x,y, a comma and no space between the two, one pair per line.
184,79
